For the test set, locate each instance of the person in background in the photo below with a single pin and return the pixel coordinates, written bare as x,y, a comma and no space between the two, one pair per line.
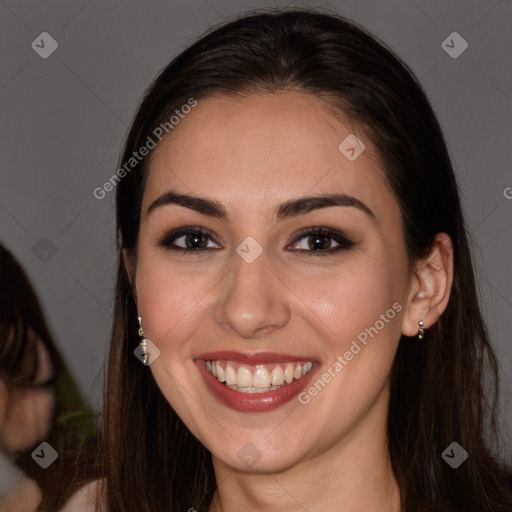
39,401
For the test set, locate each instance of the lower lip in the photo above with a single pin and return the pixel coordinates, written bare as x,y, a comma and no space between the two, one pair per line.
253,402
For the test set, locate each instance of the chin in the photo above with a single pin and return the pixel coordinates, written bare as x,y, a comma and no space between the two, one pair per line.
34,415
275,463
261,454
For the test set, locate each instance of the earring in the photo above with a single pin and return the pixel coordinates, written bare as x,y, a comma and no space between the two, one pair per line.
421,331
143,344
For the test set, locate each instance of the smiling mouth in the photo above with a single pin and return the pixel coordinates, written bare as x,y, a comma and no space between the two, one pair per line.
259,378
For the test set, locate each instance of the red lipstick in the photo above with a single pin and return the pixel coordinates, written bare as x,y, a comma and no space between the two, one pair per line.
253,402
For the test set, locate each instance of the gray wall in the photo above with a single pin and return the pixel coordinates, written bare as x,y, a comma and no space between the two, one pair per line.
63,120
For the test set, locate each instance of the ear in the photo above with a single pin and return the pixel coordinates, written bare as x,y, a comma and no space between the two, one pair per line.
431,286
129,265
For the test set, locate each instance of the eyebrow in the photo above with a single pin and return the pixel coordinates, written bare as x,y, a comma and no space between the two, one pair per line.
290,208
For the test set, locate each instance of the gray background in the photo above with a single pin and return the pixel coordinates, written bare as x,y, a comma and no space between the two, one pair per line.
63,120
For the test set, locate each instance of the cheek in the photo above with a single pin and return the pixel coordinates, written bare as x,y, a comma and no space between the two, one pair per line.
169,302
346,302
28,418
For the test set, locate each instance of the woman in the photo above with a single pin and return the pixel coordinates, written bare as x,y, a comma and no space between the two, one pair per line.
26,413
39,401
294,266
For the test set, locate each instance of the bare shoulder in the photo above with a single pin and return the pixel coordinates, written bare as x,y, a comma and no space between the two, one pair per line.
84,499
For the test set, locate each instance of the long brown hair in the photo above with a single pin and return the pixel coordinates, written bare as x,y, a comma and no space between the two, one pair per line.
438,387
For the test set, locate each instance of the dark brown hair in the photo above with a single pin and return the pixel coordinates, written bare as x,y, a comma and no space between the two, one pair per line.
438,387
73,429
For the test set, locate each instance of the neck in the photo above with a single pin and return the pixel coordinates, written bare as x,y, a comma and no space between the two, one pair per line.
353,475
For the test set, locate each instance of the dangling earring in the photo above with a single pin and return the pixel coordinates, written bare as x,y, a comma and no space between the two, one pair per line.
143,344
421,331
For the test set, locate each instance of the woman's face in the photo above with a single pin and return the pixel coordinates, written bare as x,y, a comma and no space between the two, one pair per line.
26,413
265,293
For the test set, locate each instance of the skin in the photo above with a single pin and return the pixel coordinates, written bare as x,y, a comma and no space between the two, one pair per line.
24,497
251,155
26,416
26,413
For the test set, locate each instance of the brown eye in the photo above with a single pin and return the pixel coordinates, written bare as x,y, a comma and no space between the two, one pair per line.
318,242
194,240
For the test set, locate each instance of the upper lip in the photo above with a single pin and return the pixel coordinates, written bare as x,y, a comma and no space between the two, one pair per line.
252,358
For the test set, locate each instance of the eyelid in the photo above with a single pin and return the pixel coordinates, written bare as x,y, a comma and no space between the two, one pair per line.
165,240
343,241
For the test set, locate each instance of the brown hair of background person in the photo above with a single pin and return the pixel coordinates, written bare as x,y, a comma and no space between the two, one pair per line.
438,388
73,428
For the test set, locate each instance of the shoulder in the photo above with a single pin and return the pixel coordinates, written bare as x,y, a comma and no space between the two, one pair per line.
84,499
25,497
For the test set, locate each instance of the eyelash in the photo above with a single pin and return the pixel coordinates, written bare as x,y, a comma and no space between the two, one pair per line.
341,239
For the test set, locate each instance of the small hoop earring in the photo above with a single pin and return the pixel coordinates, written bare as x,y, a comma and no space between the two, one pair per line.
143,343
421,330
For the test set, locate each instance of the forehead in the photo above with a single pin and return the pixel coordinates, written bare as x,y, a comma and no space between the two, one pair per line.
267,147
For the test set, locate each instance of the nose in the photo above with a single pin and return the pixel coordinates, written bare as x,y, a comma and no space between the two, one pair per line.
45,369
254,301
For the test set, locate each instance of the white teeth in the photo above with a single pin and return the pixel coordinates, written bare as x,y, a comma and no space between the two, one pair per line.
277,376
220,373
230,375
288,373
307,367
261,377
261,380
243,377
254,390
